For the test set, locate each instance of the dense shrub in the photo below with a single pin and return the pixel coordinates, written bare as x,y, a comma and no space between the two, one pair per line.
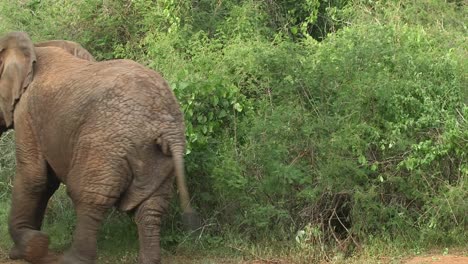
369,132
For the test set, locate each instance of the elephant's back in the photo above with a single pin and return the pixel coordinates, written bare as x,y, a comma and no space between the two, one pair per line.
121,90
115,104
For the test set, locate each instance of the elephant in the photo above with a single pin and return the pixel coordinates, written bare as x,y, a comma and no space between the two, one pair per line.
72,47
112,132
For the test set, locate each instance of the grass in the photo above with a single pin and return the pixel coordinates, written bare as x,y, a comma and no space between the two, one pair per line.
118,243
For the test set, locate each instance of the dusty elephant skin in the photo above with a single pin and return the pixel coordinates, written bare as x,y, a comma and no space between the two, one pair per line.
111,131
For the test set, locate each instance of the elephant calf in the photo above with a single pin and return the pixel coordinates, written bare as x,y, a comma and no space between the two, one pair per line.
111,131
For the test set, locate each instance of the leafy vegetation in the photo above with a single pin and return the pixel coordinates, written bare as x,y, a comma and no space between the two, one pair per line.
323,125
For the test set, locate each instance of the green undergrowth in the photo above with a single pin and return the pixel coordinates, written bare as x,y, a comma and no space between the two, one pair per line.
324,130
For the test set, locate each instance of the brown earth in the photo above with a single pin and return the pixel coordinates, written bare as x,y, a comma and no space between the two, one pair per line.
438,259
435,259
429,259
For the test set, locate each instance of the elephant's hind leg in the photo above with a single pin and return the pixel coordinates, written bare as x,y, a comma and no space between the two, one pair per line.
148,219
83,249
94,188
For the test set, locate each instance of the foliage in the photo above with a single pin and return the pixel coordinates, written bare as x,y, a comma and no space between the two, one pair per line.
7,164
326,124
309,18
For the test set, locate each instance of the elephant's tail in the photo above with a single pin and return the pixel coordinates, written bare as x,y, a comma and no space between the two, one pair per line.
168,147
148,176
190,218
177,155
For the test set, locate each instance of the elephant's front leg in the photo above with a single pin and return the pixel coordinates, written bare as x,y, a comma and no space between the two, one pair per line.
148,219
31,192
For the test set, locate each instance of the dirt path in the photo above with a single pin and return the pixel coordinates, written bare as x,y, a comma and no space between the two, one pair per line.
429,259
436,259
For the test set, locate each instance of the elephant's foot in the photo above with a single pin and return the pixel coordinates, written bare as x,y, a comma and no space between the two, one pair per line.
145,260
70,258
51,258
15,253
33,247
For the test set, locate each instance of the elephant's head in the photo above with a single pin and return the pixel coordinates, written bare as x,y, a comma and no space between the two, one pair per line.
71,47
17,57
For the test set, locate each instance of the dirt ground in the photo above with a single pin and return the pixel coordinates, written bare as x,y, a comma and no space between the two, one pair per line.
449,259
432,259
426,259
438,259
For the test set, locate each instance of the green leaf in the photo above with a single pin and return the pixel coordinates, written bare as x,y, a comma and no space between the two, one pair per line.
294,30
238,107
222,114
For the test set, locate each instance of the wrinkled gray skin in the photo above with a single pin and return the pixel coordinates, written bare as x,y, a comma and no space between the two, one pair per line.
111,131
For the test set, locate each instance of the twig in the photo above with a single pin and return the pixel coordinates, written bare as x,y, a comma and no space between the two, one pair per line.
461,115
349,233
302,154
451,210
331,228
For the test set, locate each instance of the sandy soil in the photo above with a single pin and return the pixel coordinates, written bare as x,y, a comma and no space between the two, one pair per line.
430,259
438,259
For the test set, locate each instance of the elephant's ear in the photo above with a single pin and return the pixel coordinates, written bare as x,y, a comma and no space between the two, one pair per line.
17,57
71,47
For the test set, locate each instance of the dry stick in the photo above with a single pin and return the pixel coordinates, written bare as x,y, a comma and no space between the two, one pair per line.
350,235
314,106
460,114
199,236
451,210
302,154
331,228
329,259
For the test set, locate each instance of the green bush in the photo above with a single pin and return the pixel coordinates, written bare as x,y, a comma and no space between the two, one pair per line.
369,132
7,164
